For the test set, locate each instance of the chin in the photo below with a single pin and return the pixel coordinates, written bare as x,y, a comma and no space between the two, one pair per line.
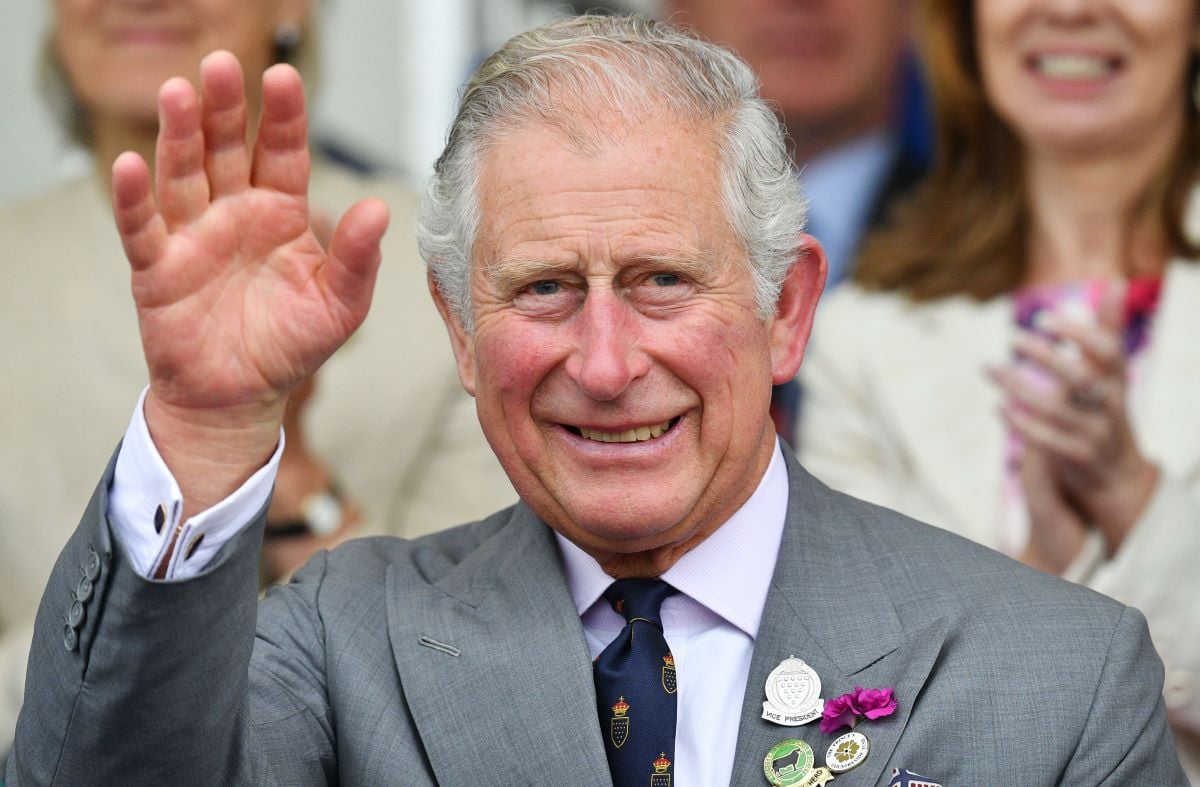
623,529
1075,139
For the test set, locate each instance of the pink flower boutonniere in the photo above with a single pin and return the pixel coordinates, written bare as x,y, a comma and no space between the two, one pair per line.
849,709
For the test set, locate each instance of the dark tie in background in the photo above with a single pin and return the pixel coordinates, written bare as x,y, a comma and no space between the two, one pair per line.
635,687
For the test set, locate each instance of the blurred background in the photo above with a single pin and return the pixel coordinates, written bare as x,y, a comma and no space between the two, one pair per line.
389,76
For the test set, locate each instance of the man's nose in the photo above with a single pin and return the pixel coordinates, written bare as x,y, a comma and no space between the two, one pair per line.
607,358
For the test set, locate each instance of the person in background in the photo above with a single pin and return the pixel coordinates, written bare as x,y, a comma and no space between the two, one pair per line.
1016,360
841,75
73,347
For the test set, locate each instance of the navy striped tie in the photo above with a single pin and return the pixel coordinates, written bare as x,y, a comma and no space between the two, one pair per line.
635,687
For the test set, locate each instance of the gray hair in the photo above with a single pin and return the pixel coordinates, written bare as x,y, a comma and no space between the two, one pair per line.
556,75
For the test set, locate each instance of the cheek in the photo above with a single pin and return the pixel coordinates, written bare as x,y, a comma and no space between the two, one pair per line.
511,363
726,361
75,45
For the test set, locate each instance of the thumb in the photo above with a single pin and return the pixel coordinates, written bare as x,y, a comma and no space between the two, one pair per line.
353,261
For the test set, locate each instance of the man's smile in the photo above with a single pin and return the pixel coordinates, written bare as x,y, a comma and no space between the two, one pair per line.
638,434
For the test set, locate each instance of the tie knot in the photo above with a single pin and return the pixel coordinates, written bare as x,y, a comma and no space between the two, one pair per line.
639,598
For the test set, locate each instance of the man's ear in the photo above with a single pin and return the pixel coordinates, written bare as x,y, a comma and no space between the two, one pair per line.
462,342
792,324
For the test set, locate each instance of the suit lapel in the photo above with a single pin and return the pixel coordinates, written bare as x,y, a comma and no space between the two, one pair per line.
835,614
494,666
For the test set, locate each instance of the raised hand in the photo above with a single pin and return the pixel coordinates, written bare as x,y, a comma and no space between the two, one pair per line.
236,299
1080,420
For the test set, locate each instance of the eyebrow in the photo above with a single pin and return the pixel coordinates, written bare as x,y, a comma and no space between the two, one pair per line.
515,272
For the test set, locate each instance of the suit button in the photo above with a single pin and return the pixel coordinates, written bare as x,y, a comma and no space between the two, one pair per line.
75,614
70,638
91,568
84,591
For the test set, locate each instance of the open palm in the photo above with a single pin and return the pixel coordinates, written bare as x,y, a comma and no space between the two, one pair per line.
236,299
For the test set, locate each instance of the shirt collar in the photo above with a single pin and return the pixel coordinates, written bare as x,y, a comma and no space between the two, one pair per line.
729,572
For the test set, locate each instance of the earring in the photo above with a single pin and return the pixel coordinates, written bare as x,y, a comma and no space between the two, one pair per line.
287,41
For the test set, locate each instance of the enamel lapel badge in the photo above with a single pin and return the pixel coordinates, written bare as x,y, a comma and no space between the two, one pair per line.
847,752
793,694
790,763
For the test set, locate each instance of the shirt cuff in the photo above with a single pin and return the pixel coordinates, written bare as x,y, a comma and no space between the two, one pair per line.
145,506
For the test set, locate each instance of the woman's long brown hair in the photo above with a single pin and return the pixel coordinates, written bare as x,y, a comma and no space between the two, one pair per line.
964,230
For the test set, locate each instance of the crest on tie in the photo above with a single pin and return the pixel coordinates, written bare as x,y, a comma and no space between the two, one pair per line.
618,727
660,777
668,674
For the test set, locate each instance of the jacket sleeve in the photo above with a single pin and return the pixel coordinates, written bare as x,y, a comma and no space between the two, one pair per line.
1125,739
135,681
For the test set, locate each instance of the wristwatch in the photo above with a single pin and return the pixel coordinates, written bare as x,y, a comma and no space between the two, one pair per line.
321,514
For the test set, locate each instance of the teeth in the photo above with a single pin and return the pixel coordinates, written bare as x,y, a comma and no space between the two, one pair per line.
640,434
1073,66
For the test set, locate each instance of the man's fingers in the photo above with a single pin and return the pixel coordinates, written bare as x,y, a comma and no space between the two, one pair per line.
226,156
143,231
353,261
179,171
281,146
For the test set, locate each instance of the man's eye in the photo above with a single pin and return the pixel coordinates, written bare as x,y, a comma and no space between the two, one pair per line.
664,279
545,288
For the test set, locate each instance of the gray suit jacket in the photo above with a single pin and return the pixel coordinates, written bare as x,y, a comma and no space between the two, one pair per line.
459,659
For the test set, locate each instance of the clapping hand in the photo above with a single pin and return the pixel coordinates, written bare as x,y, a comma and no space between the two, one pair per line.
237,300
1084,464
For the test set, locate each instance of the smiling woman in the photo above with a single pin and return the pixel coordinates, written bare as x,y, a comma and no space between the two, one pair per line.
112,57
1055,245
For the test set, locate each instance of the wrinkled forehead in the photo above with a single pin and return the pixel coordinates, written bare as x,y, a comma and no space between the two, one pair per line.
593,117
652,187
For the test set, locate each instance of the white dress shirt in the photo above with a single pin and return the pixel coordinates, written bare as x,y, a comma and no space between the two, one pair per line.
710,625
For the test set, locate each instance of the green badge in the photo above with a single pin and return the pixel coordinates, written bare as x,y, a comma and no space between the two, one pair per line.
788,762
